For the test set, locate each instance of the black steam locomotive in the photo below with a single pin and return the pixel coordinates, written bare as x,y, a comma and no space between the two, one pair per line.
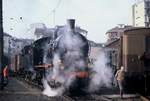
61,59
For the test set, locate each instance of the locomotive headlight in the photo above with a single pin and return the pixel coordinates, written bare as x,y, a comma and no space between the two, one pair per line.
61,65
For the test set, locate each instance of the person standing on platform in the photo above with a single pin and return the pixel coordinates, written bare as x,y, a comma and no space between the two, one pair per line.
120,79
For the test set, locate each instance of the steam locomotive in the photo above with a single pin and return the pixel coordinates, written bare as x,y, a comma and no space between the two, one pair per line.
61,59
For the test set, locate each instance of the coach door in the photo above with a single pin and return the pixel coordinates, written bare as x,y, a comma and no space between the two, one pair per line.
147,50
147,80
148,44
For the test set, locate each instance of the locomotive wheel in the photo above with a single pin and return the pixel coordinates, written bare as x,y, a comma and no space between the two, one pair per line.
78,87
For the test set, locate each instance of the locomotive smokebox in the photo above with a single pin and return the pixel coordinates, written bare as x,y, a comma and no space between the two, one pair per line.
71,24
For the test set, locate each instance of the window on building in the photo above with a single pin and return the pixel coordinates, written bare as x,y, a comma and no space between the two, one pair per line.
136,12
148,11
147,4
137,17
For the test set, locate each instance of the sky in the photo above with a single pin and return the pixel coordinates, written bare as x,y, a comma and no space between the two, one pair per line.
95,16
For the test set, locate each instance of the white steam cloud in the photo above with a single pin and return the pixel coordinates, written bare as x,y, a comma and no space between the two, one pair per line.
51,92
102,74
73,61
53,74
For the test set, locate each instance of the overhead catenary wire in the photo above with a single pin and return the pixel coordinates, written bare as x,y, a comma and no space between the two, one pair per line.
54,10
58,4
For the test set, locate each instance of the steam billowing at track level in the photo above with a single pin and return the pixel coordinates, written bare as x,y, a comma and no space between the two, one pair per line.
61,63
102,76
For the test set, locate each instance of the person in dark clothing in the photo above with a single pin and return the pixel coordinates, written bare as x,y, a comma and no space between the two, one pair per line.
146,60
5,72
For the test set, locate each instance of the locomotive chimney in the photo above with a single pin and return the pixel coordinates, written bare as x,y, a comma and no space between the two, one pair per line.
71,24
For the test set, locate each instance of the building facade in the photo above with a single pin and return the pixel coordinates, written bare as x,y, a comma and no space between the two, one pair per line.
14,45
141,13
7,40
116,32
113,45
95,50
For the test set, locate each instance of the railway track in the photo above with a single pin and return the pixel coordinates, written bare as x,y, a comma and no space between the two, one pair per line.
128,97
89,97
32,84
